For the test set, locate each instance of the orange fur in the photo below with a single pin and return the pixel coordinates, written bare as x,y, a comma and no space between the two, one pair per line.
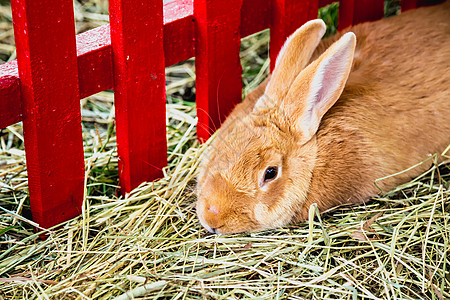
393,113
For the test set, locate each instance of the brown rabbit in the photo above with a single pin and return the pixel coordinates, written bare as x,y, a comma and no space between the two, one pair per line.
324,132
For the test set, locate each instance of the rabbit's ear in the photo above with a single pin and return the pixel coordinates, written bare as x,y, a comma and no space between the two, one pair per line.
319,86
293,57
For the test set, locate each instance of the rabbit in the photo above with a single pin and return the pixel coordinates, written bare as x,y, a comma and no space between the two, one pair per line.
334,116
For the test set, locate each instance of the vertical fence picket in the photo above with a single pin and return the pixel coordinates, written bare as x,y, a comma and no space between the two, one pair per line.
47,61
217,63
287,16
352,12
139,85
409,4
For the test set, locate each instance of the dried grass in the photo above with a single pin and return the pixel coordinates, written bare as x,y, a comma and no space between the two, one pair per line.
150,245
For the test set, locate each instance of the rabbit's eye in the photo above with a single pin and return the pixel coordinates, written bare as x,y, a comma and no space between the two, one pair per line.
271,173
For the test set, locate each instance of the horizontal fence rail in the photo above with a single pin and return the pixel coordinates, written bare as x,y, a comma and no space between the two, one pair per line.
57,68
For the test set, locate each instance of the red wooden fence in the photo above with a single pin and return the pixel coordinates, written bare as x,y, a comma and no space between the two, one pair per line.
57,68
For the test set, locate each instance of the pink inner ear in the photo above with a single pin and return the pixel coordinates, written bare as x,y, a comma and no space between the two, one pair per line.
331,75
213,209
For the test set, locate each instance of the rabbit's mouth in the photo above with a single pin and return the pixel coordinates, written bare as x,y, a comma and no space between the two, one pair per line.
210,229
232,227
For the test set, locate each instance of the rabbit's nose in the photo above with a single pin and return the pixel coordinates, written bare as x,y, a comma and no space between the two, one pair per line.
213,218
213,209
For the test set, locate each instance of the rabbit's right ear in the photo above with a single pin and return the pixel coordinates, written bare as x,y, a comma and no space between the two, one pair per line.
292,59
319,86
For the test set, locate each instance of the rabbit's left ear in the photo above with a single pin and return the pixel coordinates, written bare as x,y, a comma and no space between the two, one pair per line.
319,86
292,59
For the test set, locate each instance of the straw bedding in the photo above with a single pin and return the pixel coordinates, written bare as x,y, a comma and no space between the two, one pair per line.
149,244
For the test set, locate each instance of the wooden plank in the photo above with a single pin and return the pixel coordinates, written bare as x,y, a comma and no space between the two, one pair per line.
217,63
255,16
346,13
352,12
139,85
10,104
287,16
94,61
411,4
45,39
179,31
368,10
179,41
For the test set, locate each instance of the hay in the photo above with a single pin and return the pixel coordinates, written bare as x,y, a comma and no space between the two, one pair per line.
150,245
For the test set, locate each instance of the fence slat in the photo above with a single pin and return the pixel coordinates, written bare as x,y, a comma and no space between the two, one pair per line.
45,39
287,16
94,61
178,31
411,4
352,12
217,63
10,104
139,85
255,16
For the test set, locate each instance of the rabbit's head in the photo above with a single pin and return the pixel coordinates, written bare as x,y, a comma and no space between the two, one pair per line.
257,170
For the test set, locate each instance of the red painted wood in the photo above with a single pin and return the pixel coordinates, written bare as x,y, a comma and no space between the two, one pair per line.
346,12
179,40
45,39
94,61
409,4
179,31
352,12
94,52
10,104
139,85
368,10
94,47
287,16
255,16
217,63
